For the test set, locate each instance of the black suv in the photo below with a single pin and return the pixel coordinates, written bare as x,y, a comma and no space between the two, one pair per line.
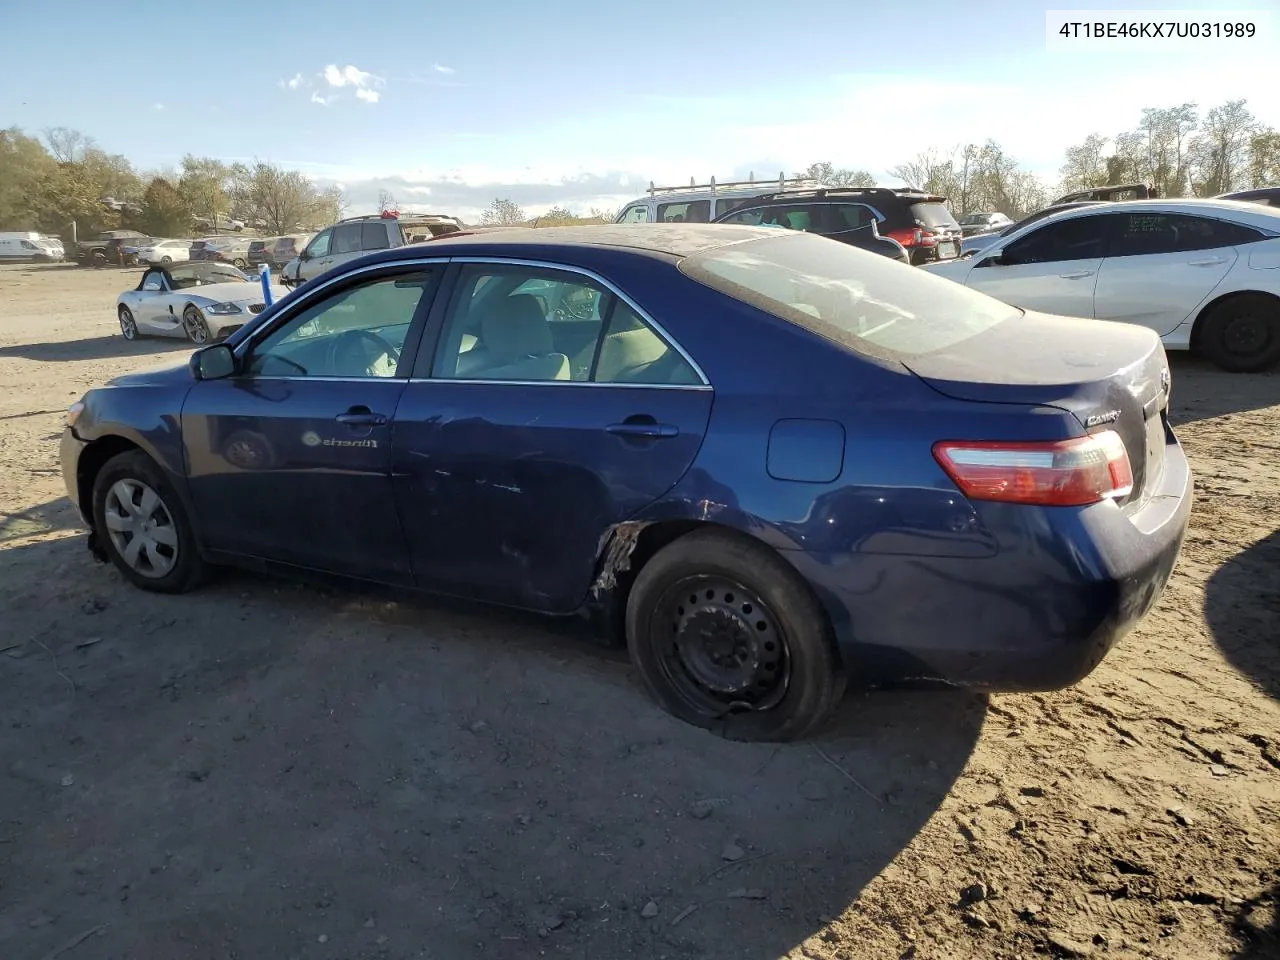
919,221
1267,196
815,211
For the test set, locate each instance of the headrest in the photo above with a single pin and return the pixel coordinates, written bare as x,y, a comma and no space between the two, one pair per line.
515,329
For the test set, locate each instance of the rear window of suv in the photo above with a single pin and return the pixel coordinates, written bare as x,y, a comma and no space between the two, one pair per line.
860,300
933,214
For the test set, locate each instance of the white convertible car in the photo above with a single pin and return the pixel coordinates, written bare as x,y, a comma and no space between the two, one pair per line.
1204,274
198,300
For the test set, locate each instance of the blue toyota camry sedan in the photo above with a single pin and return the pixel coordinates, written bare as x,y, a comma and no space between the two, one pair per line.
769,462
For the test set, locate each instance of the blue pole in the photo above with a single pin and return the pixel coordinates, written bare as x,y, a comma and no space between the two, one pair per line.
264,272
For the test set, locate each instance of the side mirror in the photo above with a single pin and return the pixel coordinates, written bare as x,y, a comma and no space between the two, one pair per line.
303,255
213,363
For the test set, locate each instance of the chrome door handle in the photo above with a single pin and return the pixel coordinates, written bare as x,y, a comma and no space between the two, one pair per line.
1078,275
1211,262
647,430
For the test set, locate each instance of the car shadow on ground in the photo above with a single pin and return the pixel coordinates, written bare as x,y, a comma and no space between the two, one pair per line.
1201,391
1257,924
280,768
1242,608
58,515
96,348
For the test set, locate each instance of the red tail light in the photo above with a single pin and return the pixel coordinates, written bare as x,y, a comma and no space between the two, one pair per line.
1056,473
926,238
908,236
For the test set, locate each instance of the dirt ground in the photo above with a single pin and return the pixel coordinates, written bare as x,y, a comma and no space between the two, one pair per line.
263,770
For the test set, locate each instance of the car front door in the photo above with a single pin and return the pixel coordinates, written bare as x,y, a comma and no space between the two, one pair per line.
1053,268
1161,266
316,256
512,457
150,311
289,459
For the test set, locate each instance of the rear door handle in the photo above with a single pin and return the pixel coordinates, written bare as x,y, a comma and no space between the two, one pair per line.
1210,262
361,417
651,430
1077,275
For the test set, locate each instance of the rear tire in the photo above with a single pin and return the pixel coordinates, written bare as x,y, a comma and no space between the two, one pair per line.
727,636
143,526
1241,334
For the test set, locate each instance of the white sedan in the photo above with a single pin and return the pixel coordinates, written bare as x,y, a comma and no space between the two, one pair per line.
165,251
201,301
1203,274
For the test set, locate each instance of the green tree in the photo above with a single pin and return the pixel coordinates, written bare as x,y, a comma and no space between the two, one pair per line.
165,212
1264,158
833,176
25,166
502,213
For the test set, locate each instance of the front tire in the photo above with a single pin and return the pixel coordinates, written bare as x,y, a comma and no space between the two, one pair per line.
144,527
128,325
240,263
195,326
728,637
1242,334
166,260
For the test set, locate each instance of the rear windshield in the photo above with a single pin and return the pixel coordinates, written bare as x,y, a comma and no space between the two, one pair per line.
933,214
857,299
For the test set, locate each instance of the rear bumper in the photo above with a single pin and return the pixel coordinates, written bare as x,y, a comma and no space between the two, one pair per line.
1065,587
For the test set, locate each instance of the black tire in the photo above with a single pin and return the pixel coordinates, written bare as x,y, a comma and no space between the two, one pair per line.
751,599
166,259
1242,333
188,568
240,263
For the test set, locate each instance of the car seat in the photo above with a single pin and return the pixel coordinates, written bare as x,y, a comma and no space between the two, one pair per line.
518,344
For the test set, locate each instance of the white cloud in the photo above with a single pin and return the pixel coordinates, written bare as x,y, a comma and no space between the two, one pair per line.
368,96
294,82
441,68
347,76
316,98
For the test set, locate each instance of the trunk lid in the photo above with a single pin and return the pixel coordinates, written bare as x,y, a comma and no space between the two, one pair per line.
1109,376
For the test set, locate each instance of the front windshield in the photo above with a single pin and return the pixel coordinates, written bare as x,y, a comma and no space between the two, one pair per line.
200,273
858,299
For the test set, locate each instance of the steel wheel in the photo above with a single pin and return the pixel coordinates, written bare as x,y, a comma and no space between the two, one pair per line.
193,323
128,326
726,652
166,259
141,528
1242,334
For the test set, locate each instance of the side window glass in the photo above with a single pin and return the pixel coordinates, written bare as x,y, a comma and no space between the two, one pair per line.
853,216
346,238
152,284
1082,238
789,218
319,247
1176,233
358,332
695,211
636,213
374,236
520,324
632,352
746,218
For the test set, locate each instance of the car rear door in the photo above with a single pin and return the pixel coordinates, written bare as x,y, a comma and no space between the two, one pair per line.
289,460
1053,268
1161,266
511,461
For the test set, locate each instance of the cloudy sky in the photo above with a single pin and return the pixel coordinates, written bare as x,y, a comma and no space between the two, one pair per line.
583,103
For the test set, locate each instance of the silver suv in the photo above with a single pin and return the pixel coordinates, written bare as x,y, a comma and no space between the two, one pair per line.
356,236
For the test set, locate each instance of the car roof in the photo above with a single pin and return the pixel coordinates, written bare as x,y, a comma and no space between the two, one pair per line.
1241,211
655,239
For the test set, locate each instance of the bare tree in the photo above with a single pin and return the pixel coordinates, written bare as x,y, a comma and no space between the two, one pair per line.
386,201
67,145
1220,155
284,199
1086,164
502,213
933,171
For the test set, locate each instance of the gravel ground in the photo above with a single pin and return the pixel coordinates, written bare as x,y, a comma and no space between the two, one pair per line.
265,770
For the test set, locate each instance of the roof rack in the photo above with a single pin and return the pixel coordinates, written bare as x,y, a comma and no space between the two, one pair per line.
782,182
882,192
